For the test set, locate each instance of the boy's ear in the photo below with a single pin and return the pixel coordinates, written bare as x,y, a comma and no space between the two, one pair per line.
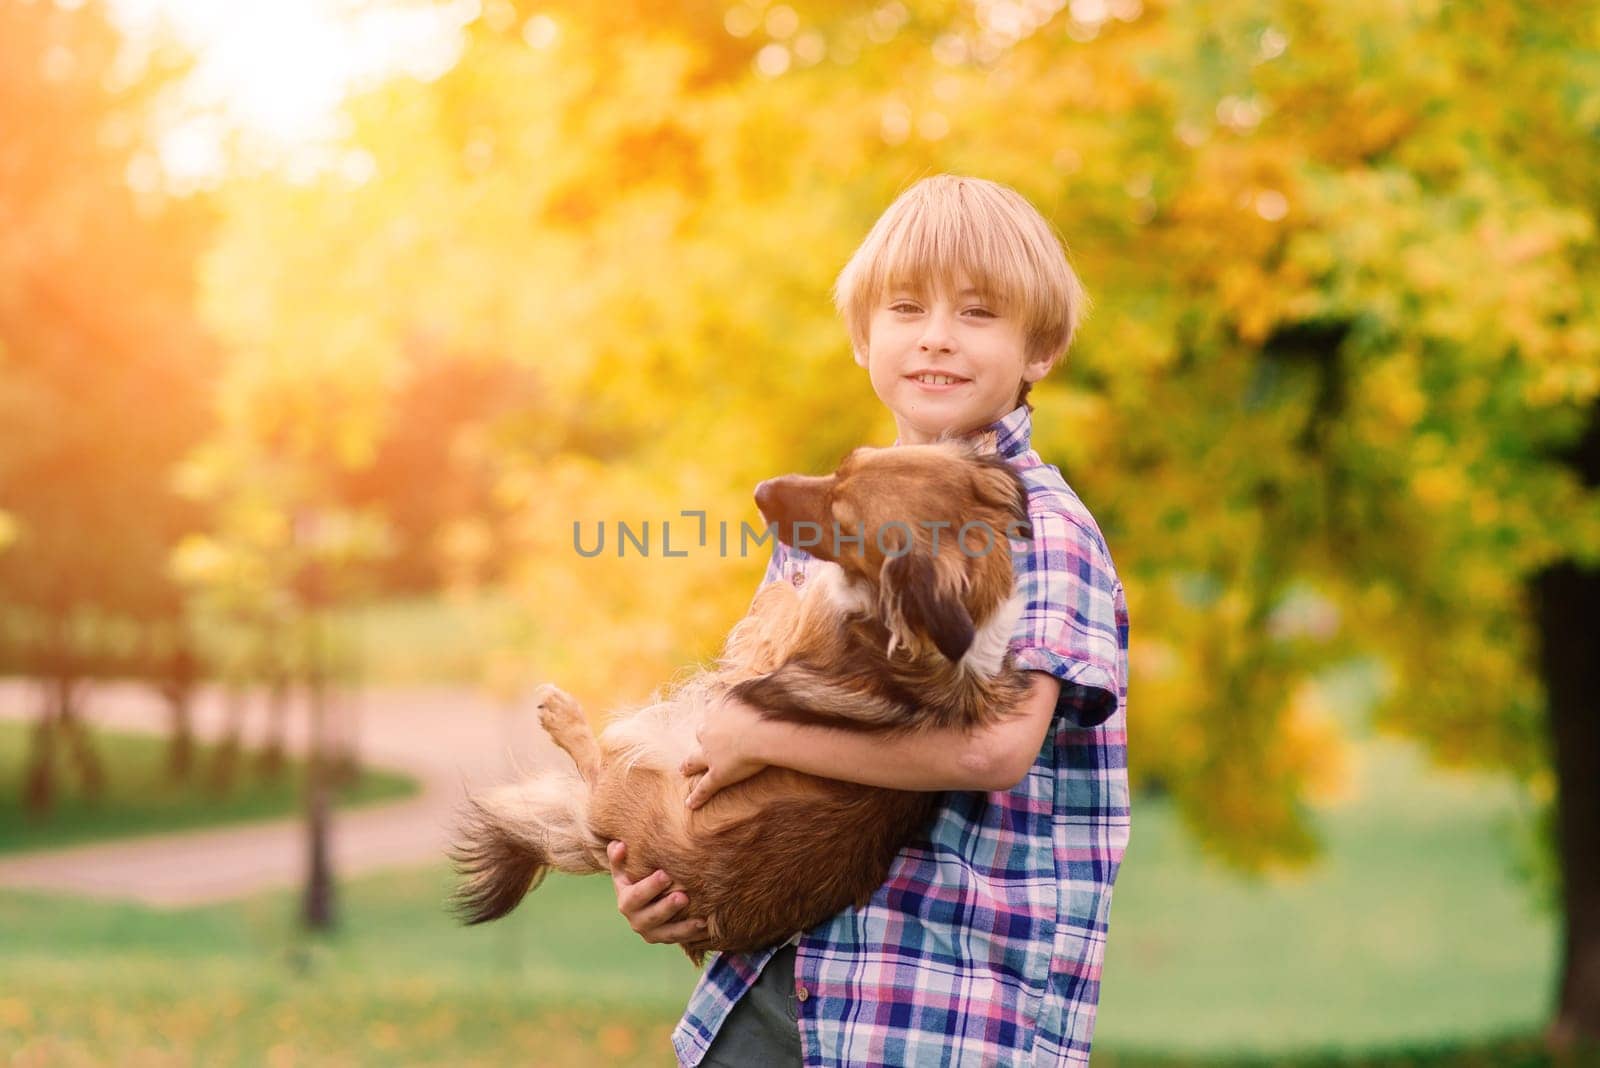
861,357
1036,367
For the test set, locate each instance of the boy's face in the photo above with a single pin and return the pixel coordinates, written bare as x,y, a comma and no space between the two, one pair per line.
946,363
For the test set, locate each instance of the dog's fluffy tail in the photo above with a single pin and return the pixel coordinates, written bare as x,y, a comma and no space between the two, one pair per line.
510,838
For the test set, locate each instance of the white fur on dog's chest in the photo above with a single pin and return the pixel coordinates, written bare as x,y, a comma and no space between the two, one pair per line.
830,581
988,649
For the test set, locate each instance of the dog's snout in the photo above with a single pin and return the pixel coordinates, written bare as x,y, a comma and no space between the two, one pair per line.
767,496
794,505
789,498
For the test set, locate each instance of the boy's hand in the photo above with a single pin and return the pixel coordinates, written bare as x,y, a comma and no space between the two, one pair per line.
650,905
725,753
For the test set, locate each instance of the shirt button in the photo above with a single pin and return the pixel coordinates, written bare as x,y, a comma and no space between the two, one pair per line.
801,993
799,579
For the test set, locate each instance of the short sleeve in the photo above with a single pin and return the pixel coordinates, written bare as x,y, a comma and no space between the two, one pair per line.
775,563
1074,618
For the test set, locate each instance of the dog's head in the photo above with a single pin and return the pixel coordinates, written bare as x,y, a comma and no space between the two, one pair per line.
925,528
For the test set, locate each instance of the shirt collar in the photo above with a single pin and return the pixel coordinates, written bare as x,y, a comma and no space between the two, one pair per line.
1013,434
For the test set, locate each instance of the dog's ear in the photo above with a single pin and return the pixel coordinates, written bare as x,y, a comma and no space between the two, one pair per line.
997,484
918,599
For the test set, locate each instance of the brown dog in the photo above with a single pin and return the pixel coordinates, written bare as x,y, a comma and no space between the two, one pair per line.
905,625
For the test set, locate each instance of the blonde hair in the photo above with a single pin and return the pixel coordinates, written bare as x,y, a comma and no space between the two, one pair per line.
949,226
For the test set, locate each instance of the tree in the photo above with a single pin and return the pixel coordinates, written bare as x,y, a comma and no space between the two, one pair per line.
1346,336
102,363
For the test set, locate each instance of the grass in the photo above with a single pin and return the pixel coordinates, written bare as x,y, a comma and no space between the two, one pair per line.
562,982
1411,946
1413,927
141,798
1508,1052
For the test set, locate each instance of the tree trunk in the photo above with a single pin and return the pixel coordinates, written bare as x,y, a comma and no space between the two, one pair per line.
39,783
1568,611
59,723
273,758
346,724
319,877
1566,601
180,745
91,772
318,913
178,688
224,771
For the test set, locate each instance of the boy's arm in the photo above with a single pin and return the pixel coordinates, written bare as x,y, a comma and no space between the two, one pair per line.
736,741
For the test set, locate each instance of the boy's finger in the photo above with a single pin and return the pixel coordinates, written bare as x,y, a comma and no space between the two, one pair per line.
693,764
615,853
633,897
670,907
703,790
679,932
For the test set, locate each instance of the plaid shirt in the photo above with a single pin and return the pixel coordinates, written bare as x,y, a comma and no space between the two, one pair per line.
984,944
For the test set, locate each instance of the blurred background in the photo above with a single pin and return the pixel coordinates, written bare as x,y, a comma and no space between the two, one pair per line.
321,323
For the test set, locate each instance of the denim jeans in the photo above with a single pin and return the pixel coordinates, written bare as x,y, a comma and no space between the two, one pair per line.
761,1030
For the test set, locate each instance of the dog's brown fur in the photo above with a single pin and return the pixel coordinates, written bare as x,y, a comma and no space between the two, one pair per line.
885,640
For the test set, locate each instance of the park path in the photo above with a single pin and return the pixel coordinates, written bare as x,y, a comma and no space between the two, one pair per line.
448,739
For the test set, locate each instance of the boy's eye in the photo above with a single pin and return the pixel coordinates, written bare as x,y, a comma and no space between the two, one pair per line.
905,307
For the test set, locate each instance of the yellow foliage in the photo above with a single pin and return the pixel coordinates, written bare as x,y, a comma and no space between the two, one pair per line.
1343,312
1315,747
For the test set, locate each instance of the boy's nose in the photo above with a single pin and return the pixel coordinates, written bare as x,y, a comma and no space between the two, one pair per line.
937,336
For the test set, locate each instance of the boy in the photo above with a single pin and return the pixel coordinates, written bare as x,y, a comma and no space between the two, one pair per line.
984,944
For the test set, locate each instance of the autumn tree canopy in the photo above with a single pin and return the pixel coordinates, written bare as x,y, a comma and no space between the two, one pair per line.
1346,335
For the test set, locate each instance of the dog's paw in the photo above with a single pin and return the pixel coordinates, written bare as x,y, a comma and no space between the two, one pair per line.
556,707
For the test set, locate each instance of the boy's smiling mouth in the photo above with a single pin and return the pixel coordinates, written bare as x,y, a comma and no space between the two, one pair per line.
936,379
